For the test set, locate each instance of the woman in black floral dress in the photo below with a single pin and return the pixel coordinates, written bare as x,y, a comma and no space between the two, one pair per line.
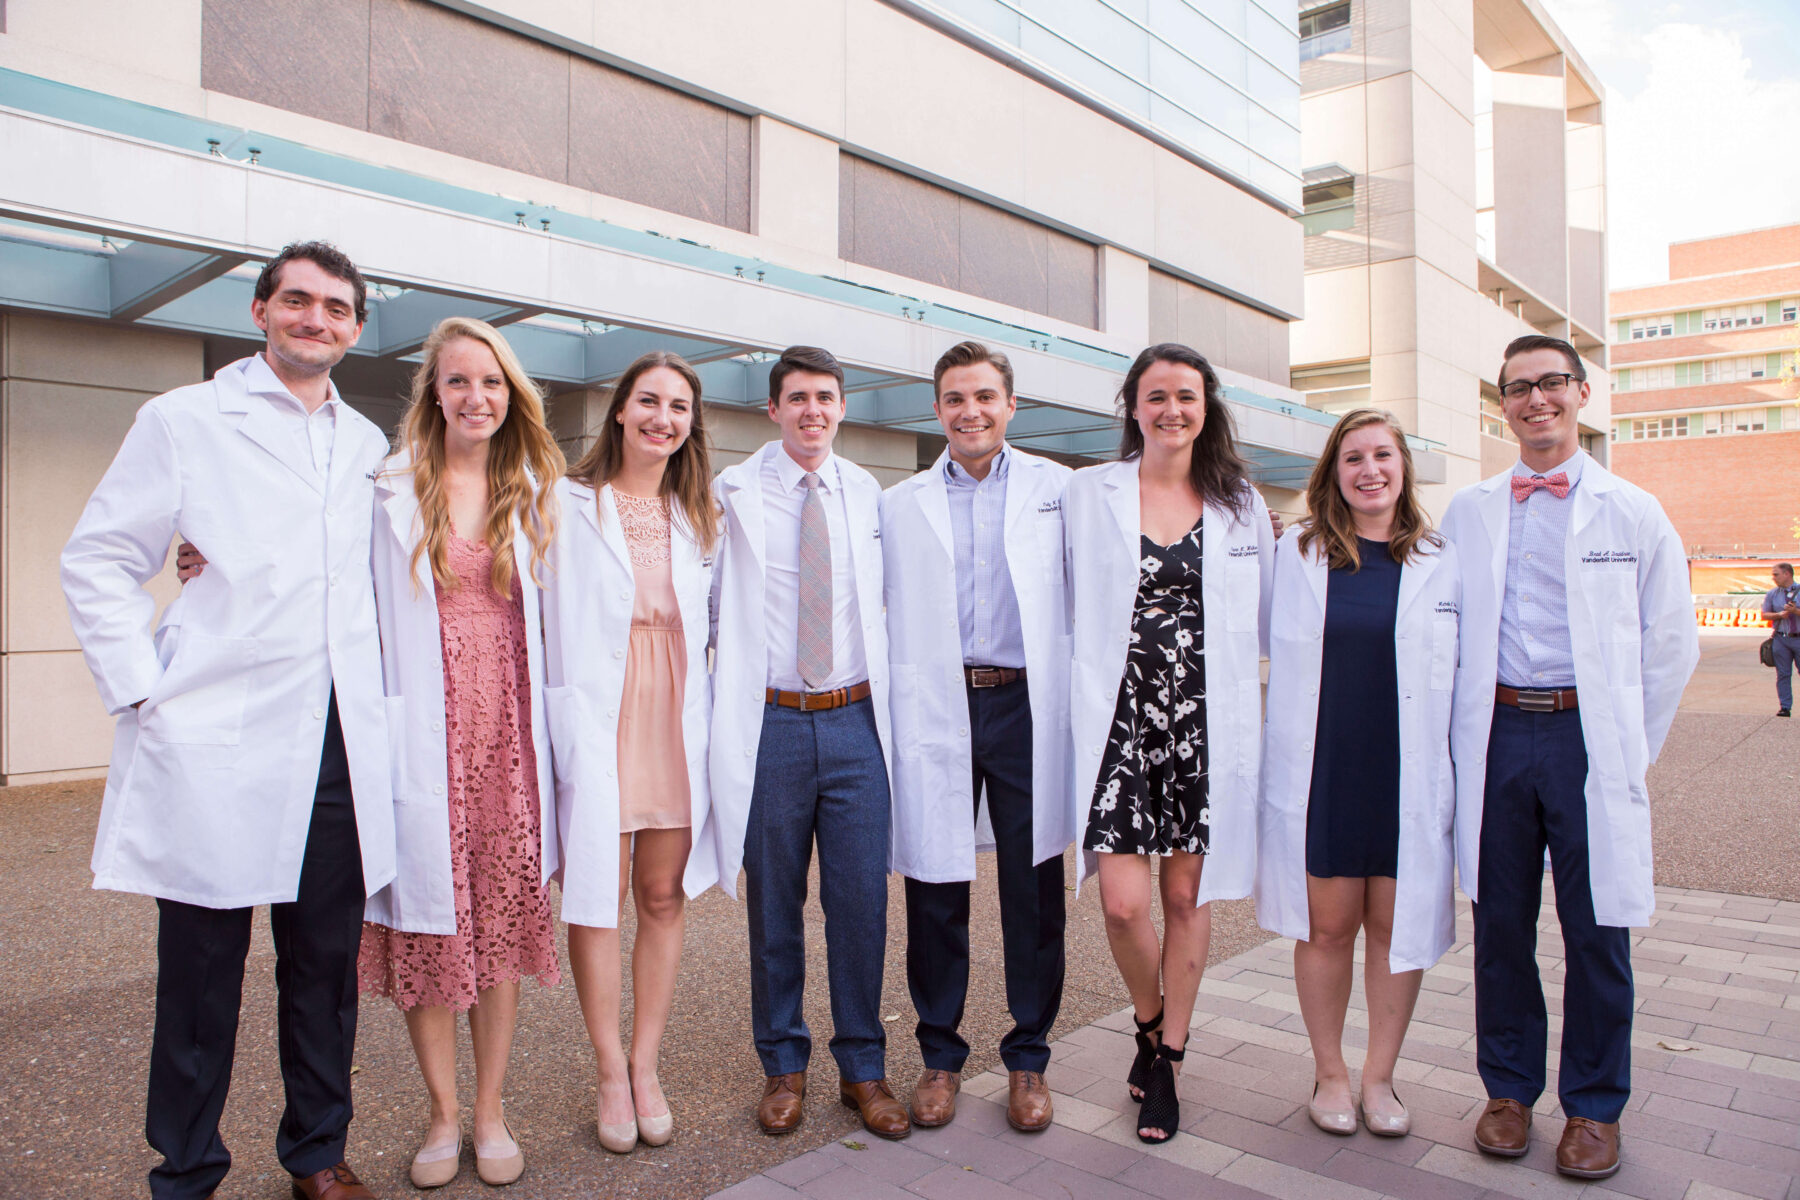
1151,795
1157,783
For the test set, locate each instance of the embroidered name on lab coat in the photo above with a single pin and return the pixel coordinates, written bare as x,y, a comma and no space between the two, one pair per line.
1602,557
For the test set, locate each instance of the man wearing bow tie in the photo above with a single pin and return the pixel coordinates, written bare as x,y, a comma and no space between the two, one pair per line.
1578,638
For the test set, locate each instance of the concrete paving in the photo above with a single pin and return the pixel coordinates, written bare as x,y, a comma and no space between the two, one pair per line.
77,976
1714,1112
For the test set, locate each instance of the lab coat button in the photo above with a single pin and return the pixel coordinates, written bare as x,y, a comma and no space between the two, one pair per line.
612,712
318,714
962,733
618,654
438,790
437,727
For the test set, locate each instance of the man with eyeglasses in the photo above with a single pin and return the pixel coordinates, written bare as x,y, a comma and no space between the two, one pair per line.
1578,637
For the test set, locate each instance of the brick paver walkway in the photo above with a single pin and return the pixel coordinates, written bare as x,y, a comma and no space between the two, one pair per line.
1714,1113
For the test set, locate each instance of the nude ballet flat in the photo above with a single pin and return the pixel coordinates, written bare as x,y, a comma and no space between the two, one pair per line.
434,1166
497,1170
1392,1125
1331,1120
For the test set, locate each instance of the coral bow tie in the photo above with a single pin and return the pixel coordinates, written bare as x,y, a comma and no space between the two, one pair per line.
1524,485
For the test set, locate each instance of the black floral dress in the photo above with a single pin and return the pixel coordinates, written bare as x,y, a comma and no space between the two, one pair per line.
1150,797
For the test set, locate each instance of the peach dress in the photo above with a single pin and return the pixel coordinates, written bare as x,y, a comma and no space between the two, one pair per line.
653,770
504,930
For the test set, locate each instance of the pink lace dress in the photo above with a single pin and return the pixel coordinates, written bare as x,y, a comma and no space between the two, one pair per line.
503,923
653,773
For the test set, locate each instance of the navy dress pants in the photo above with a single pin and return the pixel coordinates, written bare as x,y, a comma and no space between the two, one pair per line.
200,980
1536,772
818,774
1031,904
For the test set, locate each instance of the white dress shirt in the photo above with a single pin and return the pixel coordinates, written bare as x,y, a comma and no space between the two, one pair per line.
314,432
783,496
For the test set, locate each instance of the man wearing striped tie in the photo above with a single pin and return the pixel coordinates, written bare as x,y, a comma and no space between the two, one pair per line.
800,726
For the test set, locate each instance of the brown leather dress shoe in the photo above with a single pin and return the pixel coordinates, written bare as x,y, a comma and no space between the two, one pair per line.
333,1183
1028,1107
781,1110
1504,1129
1589,1149
934,1098
882,1115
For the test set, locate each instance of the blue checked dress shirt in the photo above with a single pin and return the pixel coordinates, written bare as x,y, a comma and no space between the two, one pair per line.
1534,611
987,612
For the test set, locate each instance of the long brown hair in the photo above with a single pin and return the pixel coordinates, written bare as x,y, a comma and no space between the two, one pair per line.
1329,521
523,460
687,477
1217,471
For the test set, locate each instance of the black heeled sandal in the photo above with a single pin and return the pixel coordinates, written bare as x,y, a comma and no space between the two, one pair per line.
1146,1054
1162,1106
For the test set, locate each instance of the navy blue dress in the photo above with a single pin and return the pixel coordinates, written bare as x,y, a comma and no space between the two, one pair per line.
1353,811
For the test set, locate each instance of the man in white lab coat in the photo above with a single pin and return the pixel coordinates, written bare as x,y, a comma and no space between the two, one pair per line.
799,739
250,762
1577,639
978,642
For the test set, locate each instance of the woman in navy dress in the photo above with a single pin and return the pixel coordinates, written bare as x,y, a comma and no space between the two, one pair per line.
1358,798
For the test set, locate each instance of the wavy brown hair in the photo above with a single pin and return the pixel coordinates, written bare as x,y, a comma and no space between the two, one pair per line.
1217,471
1329,520
523,460
687,476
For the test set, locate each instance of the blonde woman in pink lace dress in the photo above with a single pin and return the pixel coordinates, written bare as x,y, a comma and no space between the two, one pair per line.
461,535
625,627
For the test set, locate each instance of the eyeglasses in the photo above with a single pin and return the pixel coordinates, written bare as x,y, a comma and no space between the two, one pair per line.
1551,385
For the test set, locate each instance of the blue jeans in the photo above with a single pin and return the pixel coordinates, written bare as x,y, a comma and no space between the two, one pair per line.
1536,775
1787,649
818,773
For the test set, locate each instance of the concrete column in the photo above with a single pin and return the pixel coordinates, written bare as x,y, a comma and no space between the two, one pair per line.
793,187
68,392
1531,196
1587,219
1125,296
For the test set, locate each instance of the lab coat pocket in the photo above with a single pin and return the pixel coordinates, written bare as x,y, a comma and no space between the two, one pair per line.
399,747
905,710
1443,653
1613,592
1243,591
199,698
562,715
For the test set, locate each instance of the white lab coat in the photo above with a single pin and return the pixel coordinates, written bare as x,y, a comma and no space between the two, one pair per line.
1631,628
588,600
741,657
1100,518
210,791
1425,662
422,897
935,833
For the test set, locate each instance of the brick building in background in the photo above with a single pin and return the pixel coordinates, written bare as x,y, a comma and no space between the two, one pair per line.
1702,415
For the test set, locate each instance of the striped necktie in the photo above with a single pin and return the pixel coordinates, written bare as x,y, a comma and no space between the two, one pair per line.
814,632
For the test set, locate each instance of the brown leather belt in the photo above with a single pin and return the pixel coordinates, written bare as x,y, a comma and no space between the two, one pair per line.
986,677
1546,700
819,701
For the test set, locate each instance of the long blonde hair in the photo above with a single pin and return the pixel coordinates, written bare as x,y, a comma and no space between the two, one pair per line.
523,462
1329,520
687,477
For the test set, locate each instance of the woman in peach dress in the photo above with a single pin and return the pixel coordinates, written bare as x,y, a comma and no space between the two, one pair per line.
625,625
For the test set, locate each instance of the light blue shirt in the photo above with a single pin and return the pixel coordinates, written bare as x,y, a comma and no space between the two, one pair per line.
1534,611
987,612
1775,601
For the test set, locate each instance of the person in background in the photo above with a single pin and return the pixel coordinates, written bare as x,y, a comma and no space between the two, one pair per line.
250,762
1171,555
1358,794
978,634
629,706
1577,639
1781,607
